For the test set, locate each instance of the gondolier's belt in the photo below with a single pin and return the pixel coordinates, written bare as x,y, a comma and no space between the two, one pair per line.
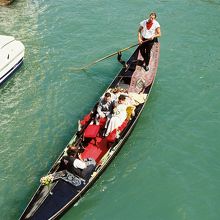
149,41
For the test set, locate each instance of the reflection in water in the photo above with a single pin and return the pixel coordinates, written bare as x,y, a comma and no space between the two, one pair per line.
18,101
20,19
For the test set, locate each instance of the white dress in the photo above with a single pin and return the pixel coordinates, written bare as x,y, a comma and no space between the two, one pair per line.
117,118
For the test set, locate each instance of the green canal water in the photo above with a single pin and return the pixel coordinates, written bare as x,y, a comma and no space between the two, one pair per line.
169,168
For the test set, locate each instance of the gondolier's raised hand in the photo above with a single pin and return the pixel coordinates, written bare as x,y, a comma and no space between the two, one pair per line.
140,41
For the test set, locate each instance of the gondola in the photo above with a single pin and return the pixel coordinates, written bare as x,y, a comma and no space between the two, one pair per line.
63,188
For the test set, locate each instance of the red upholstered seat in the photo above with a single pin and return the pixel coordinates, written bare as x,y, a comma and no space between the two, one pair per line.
85,119
95,151
112,136
102,122
91,131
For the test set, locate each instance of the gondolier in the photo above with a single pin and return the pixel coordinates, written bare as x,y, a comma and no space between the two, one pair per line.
148,32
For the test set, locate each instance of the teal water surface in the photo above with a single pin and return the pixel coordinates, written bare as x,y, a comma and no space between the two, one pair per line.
169,168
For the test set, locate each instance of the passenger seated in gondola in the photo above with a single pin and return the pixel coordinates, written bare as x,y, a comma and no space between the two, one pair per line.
119,115
105,107
82,168
74,151
116,92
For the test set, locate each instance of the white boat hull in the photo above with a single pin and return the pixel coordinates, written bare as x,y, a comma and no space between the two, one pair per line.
11,56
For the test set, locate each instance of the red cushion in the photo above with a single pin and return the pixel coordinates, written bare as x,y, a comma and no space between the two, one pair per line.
102,122
95,151
112,136
91,131
124,124
85,119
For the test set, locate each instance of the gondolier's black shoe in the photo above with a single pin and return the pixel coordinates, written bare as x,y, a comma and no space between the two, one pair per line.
146,68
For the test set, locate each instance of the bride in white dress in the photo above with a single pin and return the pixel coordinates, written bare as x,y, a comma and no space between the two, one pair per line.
119,115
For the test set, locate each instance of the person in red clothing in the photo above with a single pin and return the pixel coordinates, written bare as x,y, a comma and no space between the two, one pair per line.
148,32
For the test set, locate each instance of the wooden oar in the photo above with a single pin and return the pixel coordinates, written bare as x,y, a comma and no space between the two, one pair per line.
103,58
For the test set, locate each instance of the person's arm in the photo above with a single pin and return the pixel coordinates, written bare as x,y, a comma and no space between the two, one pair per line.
80,157
157,32
139,35
99,110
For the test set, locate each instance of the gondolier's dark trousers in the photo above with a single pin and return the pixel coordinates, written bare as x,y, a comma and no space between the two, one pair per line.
145,49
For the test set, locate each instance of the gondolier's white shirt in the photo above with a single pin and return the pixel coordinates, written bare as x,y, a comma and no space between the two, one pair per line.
148,33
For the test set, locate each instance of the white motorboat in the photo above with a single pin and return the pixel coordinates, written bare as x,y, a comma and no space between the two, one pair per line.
11,56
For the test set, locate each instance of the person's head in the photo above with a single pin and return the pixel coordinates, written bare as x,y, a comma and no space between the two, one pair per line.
121,99
152,16
107,96
123,90
72,151
115,90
